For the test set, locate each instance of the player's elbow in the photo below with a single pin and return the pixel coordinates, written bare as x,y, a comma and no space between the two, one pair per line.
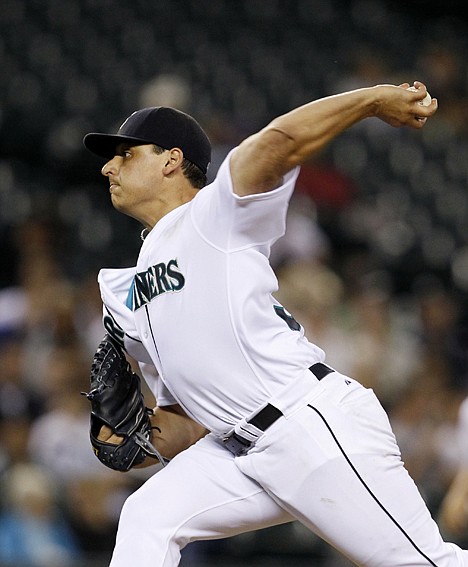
283,148
278,145
261,161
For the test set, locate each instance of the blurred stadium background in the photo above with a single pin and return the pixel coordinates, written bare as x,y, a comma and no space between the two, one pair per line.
374,264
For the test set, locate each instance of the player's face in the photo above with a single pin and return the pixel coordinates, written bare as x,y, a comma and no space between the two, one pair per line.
134,175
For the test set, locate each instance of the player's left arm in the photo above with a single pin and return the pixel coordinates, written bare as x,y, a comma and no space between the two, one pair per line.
261,161
172,432
122,428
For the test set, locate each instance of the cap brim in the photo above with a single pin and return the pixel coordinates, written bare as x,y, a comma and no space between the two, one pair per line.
104,145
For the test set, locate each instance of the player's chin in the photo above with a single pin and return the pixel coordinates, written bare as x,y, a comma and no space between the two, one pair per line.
120,206
118,203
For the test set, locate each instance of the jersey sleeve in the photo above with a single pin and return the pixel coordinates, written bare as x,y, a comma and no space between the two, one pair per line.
161,393
231,222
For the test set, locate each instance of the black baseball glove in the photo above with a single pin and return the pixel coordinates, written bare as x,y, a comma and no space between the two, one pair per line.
117,401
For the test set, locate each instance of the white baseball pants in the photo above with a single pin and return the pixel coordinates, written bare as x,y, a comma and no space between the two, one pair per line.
332,463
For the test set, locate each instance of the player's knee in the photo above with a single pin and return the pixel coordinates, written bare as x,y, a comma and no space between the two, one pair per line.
144,537
145,515
140,511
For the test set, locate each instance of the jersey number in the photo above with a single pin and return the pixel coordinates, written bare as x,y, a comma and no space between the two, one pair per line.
291,322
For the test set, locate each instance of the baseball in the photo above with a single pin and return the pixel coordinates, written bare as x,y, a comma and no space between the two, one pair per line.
426,101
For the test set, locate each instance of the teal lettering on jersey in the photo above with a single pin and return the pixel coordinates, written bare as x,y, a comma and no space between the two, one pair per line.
158,279
114,329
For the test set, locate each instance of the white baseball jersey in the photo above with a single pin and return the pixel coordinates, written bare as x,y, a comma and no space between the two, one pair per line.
200,303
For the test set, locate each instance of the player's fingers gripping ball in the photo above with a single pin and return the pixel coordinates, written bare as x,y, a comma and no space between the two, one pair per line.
426,101
117,402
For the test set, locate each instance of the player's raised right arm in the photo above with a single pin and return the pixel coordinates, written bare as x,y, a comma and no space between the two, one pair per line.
260,161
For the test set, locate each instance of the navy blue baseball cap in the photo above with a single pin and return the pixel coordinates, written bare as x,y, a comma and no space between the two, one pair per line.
161,125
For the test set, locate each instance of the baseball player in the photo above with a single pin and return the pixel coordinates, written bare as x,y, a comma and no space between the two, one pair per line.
289,437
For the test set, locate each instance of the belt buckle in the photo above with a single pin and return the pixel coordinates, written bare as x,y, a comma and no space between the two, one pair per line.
237,445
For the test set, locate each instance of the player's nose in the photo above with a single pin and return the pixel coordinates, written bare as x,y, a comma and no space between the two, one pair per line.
110,167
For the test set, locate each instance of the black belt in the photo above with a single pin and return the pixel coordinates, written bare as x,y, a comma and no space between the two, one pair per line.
238,445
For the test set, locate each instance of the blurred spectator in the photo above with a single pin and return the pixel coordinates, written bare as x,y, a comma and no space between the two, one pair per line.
368,64
304,241
43,299
33,532
314,294
19,405
383,338
440,61
14,434
12,310
454,507
59,442
223,135
422,423
16,399
329,188
63,428
166,89
442,330
88,314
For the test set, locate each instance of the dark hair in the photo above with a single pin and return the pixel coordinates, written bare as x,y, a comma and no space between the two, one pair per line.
191,171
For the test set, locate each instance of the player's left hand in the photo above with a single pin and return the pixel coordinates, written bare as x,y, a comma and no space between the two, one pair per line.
106,435
121,430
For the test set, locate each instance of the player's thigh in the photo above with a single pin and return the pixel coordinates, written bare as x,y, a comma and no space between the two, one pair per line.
336,466
202,494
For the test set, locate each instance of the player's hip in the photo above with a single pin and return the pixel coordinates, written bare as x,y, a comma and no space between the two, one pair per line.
334,408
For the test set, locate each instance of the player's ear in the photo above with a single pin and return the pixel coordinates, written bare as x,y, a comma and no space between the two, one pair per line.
175,157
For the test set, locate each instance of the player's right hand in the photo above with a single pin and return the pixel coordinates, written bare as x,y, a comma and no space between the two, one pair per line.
398,106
